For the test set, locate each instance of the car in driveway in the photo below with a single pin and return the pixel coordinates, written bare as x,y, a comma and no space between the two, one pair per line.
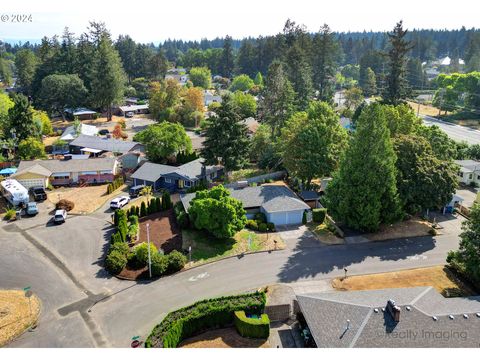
119,202
135,190
103,132
38,193
31,209
60,216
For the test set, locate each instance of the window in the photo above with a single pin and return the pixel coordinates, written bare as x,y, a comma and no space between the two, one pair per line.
61,177
168,180
187,184
460,174
470,176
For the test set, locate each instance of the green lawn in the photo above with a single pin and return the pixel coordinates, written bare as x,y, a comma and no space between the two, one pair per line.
206,248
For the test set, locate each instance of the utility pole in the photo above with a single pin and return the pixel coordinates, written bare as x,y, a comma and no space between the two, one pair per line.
149,255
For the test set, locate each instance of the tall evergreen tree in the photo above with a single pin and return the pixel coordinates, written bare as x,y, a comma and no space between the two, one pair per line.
246,60
226,137
363,194
228,63
20,124
108,77
276,102
396,90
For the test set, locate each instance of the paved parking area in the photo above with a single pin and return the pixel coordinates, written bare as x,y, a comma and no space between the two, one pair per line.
296,237
468,196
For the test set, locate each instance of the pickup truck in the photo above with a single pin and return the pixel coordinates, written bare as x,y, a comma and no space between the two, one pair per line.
38,193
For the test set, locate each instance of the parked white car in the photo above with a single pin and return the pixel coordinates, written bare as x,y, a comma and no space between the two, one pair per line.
119,202
60,216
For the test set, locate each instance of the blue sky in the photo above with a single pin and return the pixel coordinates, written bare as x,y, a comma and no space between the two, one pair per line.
150,20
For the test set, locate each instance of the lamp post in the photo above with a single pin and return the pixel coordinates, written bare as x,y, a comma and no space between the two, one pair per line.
149,255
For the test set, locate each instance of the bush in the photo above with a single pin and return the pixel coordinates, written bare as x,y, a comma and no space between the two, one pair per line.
10,214
252,225
271,226
432,232
304,218
318,215
183,220
260,217
158,203
143,209
141,253
159,264
121,247
64,204
203,315
115,262
114,185
262,227
252,327
116,237
176,261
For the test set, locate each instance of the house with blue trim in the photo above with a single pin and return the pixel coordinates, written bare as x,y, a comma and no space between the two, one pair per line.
175,178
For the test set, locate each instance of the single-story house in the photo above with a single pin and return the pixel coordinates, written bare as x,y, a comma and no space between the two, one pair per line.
209,97
180,78
279,204
66,172
131,160
469,171
96,145
174,178
134,109
131,101
69,133
80,113
417,317
310,197
252,125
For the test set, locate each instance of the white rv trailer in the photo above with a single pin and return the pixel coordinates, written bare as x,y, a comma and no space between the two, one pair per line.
14,192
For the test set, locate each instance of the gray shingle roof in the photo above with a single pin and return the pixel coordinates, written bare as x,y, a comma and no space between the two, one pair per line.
47,167
272,197
308,195
152,172
471,165
327,314
104,144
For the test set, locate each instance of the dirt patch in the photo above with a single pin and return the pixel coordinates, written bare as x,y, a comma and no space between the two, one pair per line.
439,277
223,338
164,232
15,316
404,229
87,199
324,235
59,123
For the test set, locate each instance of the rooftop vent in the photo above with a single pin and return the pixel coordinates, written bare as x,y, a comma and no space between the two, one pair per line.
408,308
434,318
375,310
451,317
394,310
478,315
465,316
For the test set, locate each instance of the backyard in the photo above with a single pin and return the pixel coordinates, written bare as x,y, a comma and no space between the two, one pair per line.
207,249
439,277
223,338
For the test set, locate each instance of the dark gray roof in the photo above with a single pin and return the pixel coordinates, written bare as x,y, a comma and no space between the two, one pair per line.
105,144
308,195
192,170
271,197
47,167
327,314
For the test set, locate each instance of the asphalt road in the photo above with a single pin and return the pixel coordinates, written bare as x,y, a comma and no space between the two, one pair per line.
83,306
456,132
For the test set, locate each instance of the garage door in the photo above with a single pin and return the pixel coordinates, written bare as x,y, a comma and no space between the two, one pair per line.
286,217
28,183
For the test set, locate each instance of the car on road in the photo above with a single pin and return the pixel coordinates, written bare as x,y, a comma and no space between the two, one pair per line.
129,114
31,208
103,132
60,216
38,193
135,190
119,202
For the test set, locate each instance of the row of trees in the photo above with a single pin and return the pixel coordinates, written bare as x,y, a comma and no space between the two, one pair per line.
458,92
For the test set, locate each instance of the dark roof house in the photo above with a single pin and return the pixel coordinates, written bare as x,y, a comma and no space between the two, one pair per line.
97,144
391,318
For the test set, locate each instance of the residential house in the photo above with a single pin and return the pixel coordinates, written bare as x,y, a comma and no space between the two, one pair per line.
70,133
180,78
416,317
131,160
96,145
174,178
310,197
210,97
133,109
469,172
279,204
252,125
66,172
80,113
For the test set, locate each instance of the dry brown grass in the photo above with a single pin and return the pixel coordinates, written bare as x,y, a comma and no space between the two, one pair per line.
15,314
439,277
223,338
86,199
428,110
60,123
404,229
49,140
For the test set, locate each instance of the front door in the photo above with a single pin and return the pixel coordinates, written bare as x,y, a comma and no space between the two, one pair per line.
180,184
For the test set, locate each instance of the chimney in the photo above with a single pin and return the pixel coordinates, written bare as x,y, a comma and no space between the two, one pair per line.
393,310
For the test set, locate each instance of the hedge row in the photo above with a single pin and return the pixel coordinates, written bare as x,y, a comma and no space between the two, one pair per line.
252,327
318,215
114,185
201,316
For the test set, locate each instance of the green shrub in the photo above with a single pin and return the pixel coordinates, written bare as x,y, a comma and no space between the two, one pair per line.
121,247
262,227
10,214
159,264
115,262
133,219
183,220
158,203
304,218
141,253
203,315
260,217
270,226
252,225
109,188
143,209
432,232
116,237
176,261
252,327
318,215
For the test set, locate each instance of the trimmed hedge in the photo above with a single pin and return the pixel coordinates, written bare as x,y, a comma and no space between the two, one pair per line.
318,215
201,316
251,327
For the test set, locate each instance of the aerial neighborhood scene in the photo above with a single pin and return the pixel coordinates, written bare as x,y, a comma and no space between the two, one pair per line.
267,183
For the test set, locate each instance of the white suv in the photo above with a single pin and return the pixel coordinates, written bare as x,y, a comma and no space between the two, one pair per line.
119,202
60,216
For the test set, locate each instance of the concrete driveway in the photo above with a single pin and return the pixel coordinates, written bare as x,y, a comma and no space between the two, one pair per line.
468,195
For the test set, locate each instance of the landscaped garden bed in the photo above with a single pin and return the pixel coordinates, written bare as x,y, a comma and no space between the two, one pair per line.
202,316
